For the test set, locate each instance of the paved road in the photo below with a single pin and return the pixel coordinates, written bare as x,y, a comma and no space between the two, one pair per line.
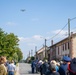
25,69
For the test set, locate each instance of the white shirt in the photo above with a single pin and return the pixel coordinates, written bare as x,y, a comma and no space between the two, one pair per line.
11,67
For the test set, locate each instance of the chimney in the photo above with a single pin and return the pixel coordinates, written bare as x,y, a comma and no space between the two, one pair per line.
51,42
71,33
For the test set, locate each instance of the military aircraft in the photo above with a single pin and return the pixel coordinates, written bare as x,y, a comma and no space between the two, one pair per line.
23,10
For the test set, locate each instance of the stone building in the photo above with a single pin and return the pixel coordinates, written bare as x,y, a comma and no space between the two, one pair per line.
59,49
64,48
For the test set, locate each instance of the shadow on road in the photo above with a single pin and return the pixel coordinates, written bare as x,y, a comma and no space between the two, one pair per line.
29,72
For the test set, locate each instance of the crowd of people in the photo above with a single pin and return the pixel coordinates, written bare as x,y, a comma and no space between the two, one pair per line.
66,66
7,67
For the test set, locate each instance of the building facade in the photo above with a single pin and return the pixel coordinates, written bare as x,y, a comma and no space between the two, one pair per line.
41,53
59,49
64,48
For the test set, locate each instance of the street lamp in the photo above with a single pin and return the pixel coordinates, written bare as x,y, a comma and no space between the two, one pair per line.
36,52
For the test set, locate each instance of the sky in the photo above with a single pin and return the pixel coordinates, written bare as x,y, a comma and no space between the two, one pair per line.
42,19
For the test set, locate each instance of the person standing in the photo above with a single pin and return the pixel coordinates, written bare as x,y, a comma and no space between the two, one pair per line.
3,70
53,69
45,67
11,68
63,69
54,62
41,68
33,66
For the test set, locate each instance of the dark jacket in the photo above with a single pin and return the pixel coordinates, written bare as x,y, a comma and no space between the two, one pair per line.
63,69
45,68
54,73
71,72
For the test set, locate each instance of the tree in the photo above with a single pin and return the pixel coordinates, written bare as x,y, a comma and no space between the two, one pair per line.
2,39
9,46
19,53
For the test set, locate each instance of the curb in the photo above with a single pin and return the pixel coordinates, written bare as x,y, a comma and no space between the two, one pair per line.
17,71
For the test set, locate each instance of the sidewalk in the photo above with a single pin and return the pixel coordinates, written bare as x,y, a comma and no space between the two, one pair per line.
17,72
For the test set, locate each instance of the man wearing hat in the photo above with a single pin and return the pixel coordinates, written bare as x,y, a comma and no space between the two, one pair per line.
63,70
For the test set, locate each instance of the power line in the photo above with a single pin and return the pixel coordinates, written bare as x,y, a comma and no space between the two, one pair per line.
72,18
62,29
58,32
41,46
62,36
74,29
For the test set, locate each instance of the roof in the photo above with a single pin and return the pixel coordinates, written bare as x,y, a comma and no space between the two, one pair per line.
42,49
72,35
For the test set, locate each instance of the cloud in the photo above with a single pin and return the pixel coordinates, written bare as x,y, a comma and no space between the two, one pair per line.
34,38
58,34
31,44
23,39
37,37
61,33
11,23
48,33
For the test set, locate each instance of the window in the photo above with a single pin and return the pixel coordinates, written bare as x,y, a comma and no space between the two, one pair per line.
68,45
63,47
58,50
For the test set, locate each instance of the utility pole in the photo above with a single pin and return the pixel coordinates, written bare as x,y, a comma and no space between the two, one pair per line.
36,51
70,52
45,48
31,53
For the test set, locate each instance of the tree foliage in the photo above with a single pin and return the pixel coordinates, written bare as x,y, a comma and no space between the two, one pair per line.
9,46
